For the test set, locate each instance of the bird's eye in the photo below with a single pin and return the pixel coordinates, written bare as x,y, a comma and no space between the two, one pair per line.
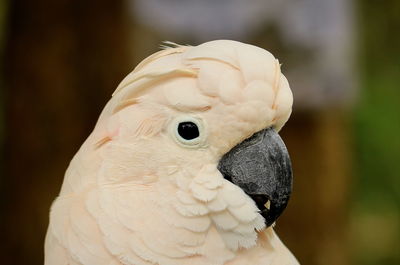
188,130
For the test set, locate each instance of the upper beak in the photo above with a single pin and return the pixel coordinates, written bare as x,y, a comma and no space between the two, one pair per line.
260,165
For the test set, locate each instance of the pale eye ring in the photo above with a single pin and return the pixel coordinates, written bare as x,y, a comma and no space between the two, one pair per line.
188,131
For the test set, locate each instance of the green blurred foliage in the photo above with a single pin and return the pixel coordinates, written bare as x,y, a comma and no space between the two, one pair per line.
375,217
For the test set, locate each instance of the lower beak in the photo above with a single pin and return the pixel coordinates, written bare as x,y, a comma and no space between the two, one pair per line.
261,166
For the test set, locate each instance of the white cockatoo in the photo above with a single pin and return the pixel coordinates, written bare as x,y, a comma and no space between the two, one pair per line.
184,166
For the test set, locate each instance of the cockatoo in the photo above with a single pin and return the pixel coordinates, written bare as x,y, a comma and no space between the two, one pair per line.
184,166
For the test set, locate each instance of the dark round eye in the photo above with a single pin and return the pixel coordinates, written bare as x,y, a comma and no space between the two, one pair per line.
188,130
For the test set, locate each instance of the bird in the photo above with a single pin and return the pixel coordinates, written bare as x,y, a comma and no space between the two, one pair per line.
184,166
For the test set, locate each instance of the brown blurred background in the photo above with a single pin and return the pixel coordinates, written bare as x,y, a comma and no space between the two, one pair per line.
61,60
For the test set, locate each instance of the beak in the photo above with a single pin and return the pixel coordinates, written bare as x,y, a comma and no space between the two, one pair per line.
260,165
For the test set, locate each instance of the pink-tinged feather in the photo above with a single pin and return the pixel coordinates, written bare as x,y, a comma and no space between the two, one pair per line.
138,194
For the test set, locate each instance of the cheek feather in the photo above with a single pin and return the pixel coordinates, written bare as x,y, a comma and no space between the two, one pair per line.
230,210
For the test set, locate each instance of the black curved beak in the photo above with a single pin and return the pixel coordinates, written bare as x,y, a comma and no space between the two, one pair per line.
260,165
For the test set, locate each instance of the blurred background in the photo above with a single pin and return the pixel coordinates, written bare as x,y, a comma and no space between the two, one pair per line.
61,61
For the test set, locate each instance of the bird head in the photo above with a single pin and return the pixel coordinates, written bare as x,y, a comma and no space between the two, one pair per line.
204,120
